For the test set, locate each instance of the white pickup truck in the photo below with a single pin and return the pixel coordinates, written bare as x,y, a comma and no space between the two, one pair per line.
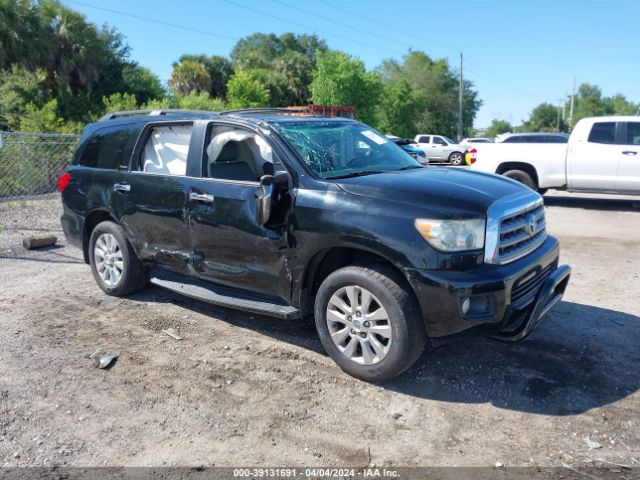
603,155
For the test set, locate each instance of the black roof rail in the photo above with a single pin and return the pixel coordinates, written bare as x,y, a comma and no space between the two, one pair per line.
272,110
163,111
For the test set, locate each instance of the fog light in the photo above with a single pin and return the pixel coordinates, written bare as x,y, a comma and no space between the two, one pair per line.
465,305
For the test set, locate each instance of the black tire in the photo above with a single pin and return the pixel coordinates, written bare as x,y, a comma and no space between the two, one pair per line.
134,274
456,158
522,177
408,334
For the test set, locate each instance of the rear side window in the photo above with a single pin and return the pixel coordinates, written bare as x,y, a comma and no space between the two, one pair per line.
633,133
423,139
106,148
166,150
556,139
515,139
603,132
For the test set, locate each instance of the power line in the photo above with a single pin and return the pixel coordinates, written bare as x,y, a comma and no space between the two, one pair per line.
282,19
152,20
350,27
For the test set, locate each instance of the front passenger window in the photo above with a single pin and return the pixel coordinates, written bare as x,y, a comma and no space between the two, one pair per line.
238,154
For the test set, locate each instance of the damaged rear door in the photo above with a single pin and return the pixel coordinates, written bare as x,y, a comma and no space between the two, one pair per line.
230,246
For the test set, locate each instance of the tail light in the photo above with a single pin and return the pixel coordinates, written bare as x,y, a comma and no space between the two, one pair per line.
472,156
63,181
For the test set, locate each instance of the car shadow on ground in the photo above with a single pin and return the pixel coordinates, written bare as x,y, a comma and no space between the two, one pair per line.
581,357
52,255
622,204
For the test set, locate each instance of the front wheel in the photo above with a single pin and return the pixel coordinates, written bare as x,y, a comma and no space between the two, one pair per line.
368,322
456,158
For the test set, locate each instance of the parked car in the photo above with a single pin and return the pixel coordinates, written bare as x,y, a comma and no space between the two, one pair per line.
299,217
409,146
535,137
441,149
603,155
469,141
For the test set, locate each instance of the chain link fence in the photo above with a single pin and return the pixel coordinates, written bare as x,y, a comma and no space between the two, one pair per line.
31,163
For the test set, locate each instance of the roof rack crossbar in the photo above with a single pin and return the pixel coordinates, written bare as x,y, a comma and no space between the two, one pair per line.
164,111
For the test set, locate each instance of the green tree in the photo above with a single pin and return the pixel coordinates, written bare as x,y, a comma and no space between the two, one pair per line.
19,88
544,118
47,119
497,127
340,79
219,69
140,82
199,101
244,91
189,76
435,87
284,64
119,102
622,106
398,108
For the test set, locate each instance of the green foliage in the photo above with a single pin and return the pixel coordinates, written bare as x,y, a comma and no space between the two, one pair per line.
47,119
189,76
199,101
19,88
497,127
244,91
398,108
544,118
119,102
284,64
434,87
219,69
340,79
140,82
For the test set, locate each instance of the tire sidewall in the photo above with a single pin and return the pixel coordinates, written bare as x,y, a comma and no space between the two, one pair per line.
395,362
116,231
521,177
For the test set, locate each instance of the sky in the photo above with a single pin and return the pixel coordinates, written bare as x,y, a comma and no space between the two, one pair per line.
517,53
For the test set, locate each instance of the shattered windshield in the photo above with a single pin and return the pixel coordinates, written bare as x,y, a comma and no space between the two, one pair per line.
336,149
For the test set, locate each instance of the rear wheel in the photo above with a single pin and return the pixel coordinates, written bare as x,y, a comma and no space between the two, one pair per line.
456,158
368,323
115,266
522,177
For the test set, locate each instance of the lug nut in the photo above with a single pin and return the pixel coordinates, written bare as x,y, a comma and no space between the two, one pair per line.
358,314
353,331
363,335
366,324
349,318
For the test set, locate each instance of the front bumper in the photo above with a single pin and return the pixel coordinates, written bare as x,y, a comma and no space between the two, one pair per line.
511,299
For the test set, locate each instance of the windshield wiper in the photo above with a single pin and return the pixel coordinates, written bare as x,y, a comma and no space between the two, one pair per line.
356,174
410,167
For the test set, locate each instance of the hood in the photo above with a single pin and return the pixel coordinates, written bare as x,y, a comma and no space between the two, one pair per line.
451,191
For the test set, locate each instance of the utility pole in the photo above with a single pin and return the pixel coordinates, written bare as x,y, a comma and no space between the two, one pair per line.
558,119
460,92
573,96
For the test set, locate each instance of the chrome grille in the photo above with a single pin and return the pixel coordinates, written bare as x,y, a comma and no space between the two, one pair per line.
521,234
515,227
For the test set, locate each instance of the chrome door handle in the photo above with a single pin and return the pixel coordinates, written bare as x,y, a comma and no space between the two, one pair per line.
121,187
630,153
201,197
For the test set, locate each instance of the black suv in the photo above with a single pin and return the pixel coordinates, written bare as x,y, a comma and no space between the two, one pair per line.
302,216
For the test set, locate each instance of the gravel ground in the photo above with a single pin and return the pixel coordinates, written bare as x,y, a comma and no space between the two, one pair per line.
250,390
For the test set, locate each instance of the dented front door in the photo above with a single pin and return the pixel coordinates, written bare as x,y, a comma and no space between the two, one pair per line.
229,246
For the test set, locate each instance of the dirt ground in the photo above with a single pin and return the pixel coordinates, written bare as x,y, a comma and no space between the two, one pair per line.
254,391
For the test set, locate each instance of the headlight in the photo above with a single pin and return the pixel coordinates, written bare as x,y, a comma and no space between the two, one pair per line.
452,235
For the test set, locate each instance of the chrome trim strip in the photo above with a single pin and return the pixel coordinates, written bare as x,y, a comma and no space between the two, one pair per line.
508,206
